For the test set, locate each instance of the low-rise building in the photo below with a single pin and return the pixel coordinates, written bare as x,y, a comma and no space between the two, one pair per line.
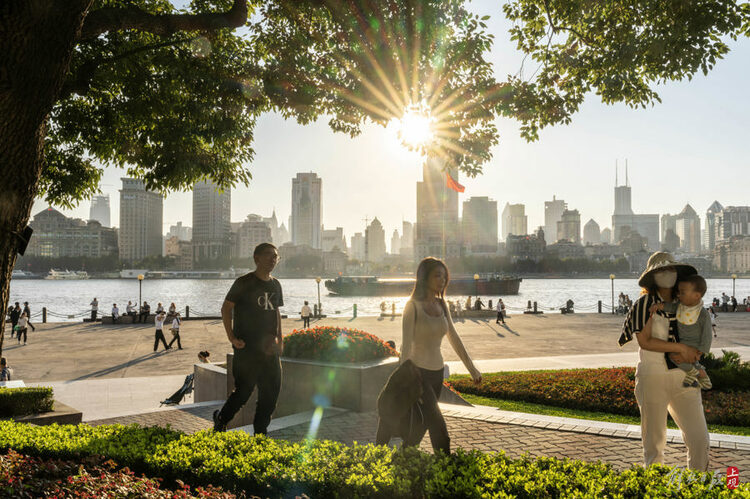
525,247
564,250
56,235
733,254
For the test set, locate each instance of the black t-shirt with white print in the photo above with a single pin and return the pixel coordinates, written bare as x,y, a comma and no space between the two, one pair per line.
256,304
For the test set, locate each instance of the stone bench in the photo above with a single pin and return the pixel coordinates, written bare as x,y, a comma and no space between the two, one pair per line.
127,319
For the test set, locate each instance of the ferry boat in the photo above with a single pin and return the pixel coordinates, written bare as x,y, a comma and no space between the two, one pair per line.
21,274
67,274
461,285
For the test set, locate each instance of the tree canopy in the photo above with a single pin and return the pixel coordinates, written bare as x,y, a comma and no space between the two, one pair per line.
173,95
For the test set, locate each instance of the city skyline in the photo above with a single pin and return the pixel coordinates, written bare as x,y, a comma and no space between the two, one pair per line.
695,134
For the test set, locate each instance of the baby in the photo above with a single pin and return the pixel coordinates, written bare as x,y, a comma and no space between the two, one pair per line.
693,325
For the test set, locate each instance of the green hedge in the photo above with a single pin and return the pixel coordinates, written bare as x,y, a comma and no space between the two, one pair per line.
16,402
277,468
335,344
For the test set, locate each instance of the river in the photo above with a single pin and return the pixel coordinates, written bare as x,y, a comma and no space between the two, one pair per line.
69,300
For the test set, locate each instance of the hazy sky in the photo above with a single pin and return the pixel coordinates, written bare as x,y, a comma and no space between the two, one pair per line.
693,147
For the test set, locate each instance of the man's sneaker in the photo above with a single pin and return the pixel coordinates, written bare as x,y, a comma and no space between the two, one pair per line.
218,425
705,383
691,378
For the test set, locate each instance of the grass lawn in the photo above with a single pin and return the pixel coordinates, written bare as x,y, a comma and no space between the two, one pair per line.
530,408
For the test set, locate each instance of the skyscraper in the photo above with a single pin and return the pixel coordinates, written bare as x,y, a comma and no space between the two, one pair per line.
479,224
333,239
569,227
553,211
515,221
731,221
407,239
591,233
306,210
375,242
100,210
709,229
688,228
395,243
211,221
141,213
645,225
357,247
437,230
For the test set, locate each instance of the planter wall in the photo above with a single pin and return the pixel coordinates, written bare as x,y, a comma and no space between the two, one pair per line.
60,414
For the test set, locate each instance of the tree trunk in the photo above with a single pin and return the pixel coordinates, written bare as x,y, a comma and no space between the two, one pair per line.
37,39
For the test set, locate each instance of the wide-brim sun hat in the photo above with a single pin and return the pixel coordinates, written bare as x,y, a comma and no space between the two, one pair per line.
660,261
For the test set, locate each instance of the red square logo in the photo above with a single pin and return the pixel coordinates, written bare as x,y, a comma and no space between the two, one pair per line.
733,477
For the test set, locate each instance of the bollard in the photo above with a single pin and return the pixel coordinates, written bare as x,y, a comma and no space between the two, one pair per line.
599,305
187,311
44,315
354,311
534,307
528,305
315,310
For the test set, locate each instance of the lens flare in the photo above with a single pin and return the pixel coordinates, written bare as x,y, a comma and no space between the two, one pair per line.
415,128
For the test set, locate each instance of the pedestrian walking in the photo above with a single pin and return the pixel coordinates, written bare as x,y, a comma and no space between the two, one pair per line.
15,314
500,311
94,309
305,313
252,322
176,331
159,333
27,311
22,329
426,321
145,312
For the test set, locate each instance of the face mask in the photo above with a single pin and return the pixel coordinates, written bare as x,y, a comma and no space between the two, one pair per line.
665,278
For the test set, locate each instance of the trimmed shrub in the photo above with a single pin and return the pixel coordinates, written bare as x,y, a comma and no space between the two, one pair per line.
270,468
609,390
93,477
728,373
16,402
335,344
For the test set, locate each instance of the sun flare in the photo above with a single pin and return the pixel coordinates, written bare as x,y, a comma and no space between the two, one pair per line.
415,128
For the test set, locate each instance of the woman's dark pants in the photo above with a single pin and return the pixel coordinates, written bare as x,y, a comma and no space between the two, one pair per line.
160,336
177,339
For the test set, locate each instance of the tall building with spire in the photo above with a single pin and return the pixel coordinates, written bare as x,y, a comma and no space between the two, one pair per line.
688,229
437,230
212,209
709,228
306,210
623,217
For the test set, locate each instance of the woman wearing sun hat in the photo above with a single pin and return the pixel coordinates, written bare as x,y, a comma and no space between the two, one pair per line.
658,382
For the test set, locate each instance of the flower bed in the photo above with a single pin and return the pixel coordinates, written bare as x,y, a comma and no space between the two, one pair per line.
335,344
269,468
609,390
92,477
16,402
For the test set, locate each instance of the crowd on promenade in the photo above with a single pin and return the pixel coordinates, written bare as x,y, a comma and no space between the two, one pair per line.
20,321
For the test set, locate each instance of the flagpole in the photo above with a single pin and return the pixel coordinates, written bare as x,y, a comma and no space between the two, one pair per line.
445,196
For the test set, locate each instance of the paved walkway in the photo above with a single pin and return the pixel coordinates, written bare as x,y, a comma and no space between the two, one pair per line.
481,428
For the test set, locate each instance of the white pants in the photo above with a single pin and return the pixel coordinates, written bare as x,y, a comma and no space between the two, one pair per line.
658,391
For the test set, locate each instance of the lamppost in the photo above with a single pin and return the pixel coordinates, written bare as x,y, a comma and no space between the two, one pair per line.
734,278
320,311
140,287
612,280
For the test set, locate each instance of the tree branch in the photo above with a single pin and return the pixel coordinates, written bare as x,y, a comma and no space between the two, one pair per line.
556,28
80,85
115,19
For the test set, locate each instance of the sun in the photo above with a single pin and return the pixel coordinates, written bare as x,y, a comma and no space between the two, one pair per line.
415,128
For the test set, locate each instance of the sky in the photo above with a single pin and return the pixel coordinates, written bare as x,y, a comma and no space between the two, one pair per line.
691,148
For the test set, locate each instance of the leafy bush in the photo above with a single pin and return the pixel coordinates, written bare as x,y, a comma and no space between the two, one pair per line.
728,373
609,390
270,468
335,344
22,401
93,477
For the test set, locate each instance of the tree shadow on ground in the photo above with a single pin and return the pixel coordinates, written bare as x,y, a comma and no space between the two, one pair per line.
124,365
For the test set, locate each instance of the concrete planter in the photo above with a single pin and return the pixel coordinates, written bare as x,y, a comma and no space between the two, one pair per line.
305,384
60,414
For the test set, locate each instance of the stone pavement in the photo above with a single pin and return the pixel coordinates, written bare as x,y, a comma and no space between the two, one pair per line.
483,429
89,351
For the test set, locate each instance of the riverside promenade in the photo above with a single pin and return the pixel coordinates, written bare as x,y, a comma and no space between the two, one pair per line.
113,376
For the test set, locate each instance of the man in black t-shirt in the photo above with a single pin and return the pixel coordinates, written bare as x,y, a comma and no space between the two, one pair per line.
252,321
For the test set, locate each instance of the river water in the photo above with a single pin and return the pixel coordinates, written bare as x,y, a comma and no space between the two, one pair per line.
69,300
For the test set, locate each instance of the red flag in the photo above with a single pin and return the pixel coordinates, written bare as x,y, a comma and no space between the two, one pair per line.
453,184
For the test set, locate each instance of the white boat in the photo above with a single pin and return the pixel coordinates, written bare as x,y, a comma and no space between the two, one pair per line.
67,274
21,274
